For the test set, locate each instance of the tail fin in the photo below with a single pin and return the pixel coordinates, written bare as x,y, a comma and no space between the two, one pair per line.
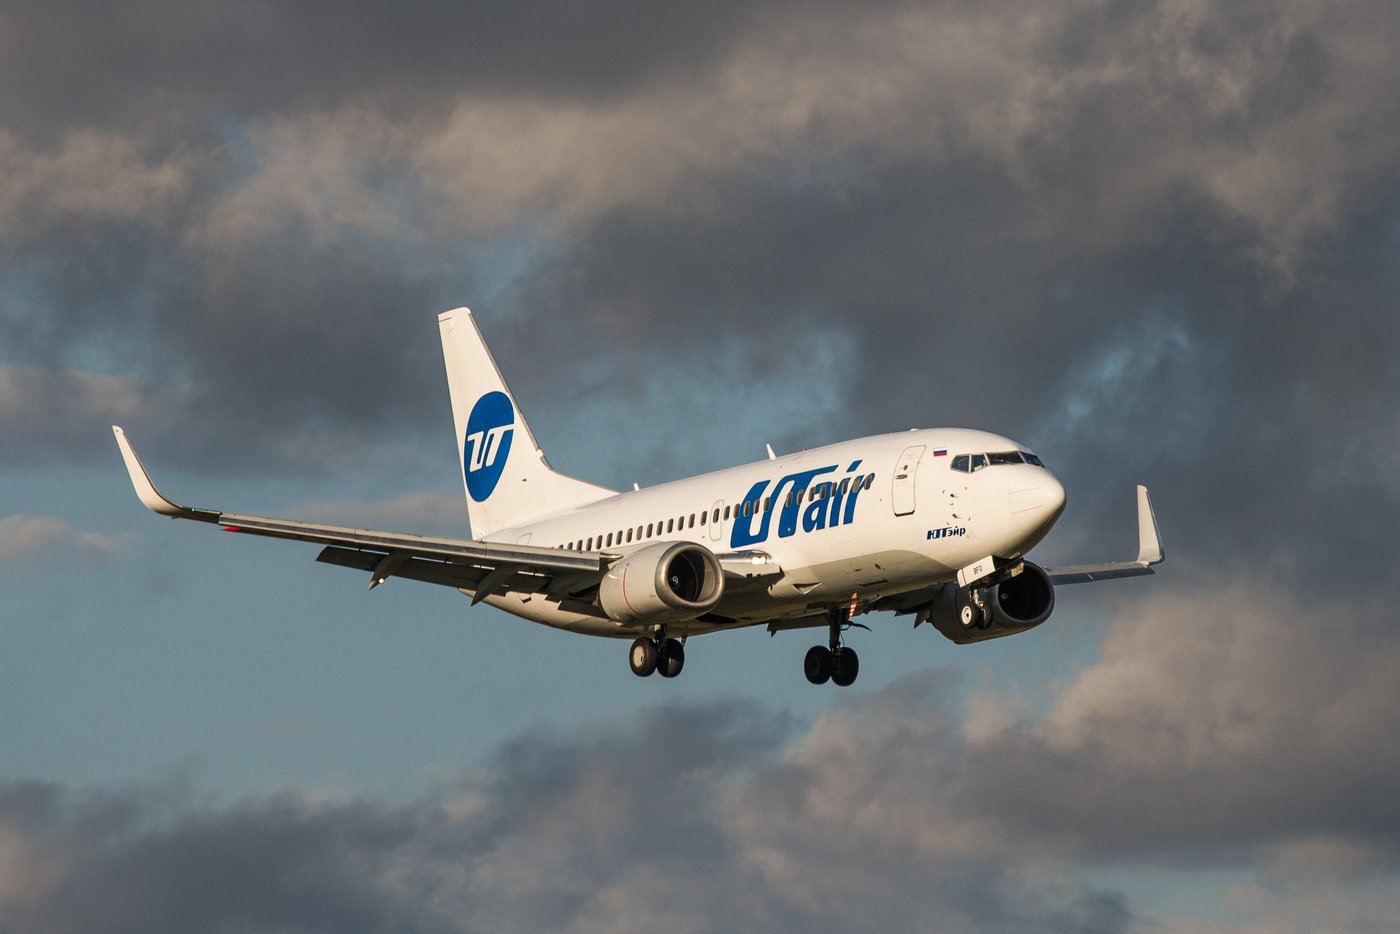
509,482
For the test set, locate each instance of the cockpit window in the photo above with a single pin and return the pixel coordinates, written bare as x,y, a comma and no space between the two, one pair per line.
971,463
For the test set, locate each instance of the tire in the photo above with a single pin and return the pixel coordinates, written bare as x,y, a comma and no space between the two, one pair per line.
642,657
970,616
817,665
671,659
845,666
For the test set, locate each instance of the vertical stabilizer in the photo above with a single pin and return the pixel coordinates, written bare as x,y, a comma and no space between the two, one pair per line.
508,480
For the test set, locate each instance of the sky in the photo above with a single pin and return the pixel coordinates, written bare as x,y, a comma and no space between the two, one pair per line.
1158,242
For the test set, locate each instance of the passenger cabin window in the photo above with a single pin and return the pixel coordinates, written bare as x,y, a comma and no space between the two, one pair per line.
609,539
692,521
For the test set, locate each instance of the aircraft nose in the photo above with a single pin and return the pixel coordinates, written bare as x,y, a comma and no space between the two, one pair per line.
1036,504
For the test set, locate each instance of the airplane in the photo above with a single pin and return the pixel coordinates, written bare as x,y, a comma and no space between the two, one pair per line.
933,523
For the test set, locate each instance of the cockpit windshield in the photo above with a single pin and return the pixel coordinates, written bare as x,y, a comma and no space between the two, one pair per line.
971,463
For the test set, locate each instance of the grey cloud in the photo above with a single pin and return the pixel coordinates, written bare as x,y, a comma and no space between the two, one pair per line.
30,540
617,832
157,63
1212,723
1109,170
887,811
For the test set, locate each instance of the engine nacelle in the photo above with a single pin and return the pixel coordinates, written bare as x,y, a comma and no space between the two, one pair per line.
668,582
1008,607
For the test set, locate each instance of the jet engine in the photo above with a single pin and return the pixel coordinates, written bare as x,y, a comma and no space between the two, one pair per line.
663,583
1004,608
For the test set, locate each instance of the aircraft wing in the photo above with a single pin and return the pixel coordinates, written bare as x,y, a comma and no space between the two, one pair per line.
484,568
1149,553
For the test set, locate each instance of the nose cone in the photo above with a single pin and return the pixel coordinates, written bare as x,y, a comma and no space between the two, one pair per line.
1036,503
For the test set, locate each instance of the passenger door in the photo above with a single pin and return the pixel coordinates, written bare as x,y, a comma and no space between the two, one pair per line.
902,487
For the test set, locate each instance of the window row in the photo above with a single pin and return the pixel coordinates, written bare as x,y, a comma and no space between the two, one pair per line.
717,514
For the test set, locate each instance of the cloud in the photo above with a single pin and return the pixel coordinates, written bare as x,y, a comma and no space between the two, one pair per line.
1215,719
621,832
883,810
35,539
66,412
445,512
1155,241
966,194
87,178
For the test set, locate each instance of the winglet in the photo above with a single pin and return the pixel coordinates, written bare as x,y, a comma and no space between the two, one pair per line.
1149,538
1150,552
146,491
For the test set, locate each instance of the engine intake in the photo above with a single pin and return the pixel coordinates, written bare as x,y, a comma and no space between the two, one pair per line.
663,583
1008,607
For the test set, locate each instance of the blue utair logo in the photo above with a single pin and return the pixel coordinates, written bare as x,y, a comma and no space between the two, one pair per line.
796,498
490,428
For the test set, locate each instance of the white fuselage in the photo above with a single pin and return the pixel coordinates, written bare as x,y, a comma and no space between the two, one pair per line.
858,520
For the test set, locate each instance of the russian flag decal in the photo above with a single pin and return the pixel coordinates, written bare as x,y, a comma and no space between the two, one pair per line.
941,452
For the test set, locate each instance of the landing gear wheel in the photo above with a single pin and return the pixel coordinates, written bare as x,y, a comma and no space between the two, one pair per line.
817,665
642,657
970,616
671,659
845,665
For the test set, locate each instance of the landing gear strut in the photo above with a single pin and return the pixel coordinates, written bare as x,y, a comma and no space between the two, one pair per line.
836,663
663,655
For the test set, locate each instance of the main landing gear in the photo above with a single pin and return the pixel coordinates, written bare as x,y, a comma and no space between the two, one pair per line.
837,663
662,655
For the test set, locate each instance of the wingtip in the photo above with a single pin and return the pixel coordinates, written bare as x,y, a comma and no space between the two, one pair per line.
1150,550
146,491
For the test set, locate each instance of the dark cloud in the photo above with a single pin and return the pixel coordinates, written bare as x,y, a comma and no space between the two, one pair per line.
1154,241
617,832
978,257
889,810
162,64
